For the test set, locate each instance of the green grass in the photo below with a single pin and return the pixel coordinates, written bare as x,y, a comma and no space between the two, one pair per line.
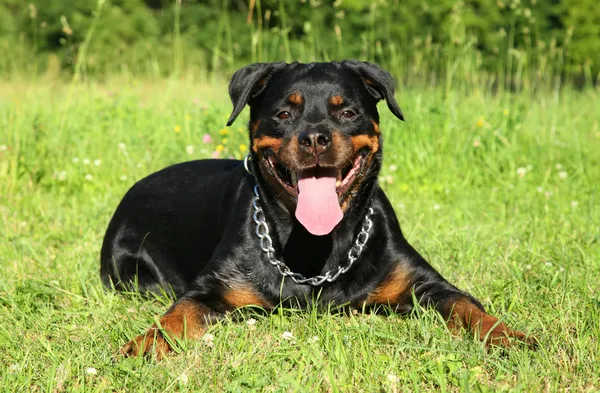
499,193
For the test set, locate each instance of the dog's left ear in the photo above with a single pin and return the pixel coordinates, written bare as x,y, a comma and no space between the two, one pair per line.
247,83
379,83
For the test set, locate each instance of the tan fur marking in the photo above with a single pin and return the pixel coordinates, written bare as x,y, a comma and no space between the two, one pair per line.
465,314
375,126
336,100
296,99
240,297
254,126
266,141
187,319
390,290
360,141
344,155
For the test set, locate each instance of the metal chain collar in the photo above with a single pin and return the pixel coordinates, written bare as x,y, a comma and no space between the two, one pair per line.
266,244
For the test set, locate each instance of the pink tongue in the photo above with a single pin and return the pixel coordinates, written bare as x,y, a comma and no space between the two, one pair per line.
318,208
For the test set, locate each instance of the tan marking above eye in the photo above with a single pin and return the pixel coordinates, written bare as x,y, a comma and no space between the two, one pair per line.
336,100
296,99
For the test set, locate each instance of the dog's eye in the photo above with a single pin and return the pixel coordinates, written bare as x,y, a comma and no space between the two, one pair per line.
284,115
348,114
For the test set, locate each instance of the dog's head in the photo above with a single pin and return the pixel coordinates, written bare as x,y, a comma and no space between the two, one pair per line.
314,133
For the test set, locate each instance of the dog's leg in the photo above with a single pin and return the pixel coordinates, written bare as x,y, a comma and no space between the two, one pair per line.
463,311
187,318
458,308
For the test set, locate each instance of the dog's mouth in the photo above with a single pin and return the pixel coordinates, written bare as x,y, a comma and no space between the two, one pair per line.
319,191
344,178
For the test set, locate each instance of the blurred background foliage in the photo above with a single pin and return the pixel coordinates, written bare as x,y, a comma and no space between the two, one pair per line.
501,43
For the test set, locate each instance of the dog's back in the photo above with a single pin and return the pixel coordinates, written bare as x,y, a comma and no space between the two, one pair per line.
140,245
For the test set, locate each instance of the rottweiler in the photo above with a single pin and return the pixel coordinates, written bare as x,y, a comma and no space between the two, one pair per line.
301,221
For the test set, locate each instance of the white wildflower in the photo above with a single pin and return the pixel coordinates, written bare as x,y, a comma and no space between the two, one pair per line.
287,336
574,204
562,175
75,160
85,161
3,147
393,378
183,378
251,322
91,371
521,171
123,177
190,149
208,340
89,177
97,162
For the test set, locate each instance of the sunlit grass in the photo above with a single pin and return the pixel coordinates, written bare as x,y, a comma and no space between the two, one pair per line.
498,192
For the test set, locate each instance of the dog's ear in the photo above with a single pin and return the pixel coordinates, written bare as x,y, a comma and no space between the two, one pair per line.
379,83
247,83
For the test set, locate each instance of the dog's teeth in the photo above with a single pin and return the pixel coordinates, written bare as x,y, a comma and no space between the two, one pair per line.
338,183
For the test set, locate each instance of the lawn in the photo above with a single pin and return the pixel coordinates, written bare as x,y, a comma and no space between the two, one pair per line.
498,192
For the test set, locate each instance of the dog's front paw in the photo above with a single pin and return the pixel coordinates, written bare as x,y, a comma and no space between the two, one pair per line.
505,337
185,320
152,343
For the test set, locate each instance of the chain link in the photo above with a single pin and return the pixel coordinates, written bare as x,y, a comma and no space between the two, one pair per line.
266,244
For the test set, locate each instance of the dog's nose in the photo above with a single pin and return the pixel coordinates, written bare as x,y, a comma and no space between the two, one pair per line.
315,142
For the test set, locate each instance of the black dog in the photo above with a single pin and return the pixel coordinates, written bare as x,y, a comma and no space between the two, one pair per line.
306,223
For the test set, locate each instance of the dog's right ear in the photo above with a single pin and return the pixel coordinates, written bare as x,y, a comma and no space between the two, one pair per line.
247,83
